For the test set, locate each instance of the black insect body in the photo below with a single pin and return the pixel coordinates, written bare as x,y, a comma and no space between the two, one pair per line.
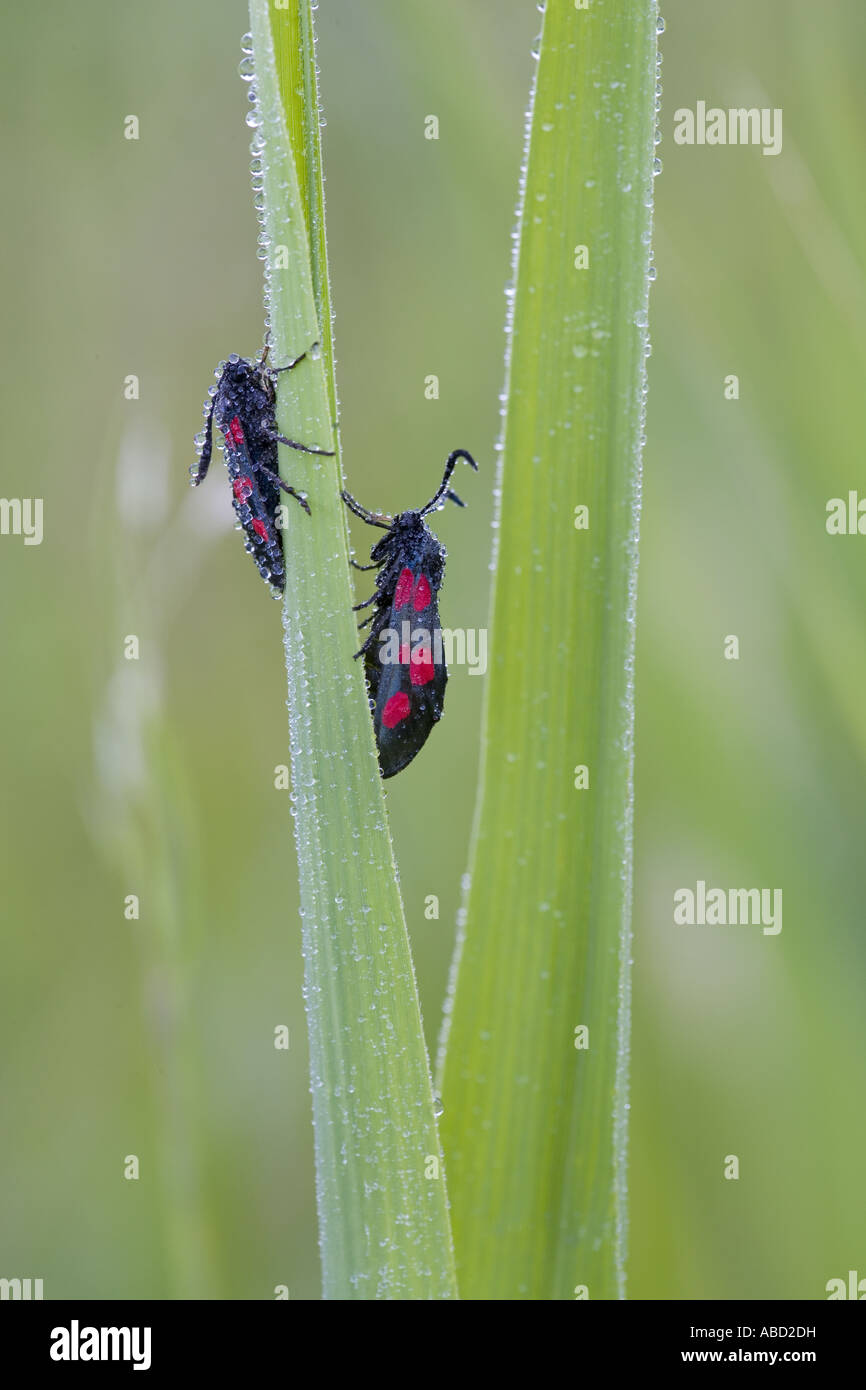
404,661
243,404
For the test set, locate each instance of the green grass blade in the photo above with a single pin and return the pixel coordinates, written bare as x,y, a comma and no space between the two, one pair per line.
534,1129
382,1207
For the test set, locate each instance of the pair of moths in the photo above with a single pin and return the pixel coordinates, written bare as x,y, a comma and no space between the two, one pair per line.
403,658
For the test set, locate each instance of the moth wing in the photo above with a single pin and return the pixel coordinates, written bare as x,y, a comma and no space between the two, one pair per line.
255,500
373,672
409,694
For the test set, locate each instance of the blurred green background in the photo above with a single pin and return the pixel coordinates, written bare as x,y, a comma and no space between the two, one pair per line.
154,776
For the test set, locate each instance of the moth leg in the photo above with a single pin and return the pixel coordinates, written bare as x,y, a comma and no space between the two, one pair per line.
275,478
363,650
293,444
356,566
289,365
356,607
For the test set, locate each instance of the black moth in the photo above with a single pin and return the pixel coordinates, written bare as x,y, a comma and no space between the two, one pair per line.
403,658
243,404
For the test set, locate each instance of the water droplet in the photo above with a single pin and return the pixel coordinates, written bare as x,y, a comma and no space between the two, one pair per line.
247,43
660,25
246,69
657,167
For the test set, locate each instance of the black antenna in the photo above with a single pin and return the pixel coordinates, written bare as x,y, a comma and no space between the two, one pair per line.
444,491
371,518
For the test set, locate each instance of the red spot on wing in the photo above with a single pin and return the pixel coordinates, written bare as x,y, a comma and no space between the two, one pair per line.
396,710
235,430
422,594
403,591
423,669
242,488
261,529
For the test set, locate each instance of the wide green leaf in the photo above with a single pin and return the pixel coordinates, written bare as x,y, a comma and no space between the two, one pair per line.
535,1074
381,1193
